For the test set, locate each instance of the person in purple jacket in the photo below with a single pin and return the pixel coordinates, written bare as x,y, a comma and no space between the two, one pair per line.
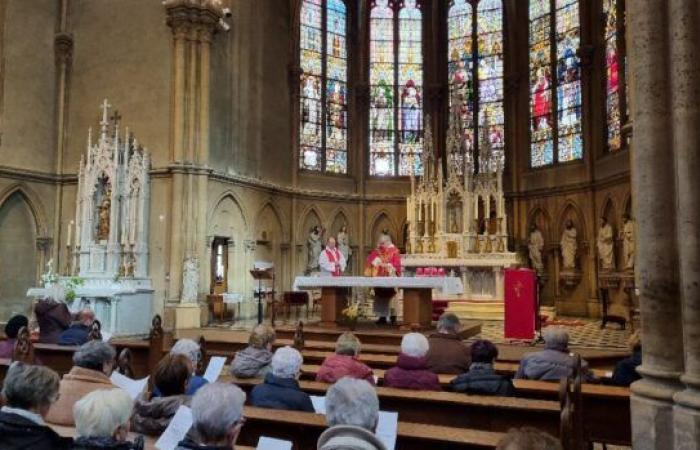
12,327
411,370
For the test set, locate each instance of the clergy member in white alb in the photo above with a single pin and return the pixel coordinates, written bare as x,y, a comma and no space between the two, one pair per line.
331,260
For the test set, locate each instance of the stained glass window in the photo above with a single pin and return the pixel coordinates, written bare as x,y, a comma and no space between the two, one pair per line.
324,86
555,82
615,97
396,88
480,103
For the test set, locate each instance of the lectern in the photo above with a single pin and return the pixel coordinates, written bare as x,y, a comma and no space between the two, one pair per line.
260,275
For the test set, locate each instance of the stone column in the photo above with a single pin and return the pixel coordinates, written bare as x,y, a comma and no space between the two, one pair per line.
653,180
193,23
684,17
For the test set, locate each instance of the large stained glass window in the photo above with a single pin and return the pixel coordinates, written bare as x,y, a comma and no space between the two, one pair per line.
615,98
324,87
555,82
477,103
396,88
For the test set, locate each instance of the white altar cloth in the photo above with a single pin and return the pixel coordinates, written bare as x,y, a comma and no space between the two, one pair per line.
444,284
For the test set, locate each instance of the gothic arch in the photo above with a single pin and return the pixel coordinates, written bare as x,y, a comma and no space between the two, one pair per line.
540,217
609,211
382,219
310,216
266,213
227,226
279,215
627,205
340,217
572,211
32,200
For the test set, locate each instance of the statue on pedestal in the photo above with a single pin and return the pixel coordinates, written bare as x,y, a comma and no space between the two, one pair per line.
190,280
344,244
628,242
103,214
535,245
606,254
314,246
569,246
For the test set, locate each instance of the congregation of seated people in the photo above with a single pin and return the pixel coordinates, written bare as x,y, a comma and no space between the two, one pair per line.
103,415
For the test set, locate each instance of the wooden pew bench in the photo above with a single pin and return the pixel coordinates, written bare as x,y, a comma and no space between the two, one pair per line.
304,428
449,408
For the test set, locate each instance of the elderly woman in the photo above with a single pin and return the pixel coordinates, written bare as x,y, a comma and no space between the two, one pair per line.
171,377
53,318
281,388
12,327
190,349
352,412
482,378
217,416
79,331
552,363
344,363
102,421
29,392
411,370
254,360
92,366
447,353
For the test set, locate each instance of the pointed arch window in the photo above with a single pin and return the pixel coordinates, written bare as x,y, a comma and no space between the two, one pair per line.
396,88
615,86
323,86
555,82
475,69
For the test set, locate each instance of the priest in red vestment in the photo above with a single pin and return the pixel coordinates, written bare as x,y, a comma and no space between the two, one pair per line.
331,260
383,261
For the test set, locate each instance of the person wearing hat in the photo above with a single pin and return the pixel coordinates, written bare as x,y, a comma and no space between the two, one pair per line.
11,329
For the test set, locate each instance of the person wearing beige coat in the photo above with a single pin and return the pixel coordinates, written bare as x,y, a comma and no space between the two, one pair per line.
93,364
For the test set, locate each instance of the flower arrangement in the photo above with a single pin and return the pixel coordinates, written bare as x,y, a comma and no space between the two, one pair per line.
352,314
71,284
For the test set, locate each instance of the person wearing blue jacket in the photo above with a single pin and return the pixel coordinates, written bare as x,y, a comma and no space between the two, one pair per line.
281,388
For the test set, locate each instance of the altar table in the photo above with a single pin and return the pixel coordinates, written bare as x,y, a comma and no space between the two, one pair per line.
417,295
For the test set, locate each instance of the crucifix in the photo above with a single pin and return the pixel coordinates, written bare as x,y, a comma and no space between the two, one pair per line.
115,118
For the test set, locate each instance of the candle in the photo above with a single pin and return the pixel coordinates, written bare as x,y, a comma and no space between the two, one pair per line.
70,233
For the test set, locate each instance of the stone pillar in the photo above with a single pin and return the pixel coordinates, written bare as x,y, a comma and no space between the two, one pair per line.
685,101
193,23
653,181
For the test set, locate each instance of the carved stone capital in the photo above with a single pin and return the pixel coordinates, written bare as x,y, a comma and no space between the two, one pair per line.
193,19
63,48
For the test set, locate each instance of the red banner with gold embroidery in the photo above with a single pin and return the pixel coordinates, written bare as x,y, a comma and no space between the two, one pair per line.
520,298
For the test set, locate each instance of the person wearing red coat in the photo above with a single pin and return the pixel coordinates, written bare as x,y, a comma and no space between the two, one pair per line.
344,362
411,370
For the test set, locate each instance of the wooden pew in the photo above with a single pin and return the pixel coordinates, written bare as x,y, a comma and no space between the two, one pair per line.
304,428
449,408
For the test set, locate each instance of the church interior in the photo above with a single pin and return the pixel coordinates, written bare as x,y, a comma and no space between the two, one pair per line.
177,168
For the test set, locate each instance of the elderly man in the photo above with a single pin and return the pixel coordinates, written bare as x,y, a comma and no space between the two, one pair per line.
281,388
78,332
102,421
217,415
384,261
191,350
552,363
447,353
29,392
92,366
331,260
352,412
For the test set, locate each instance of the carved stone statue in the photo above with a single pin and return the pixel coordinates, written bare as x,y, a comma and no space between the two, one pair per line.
569,246
314,246
344,245
606,253
535,245
190,280
103,214
628,242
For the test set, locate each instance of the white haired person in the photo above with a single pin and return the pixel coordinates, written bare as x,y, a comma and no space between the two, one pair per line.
254,360
554,362
281,388
352,413
447,353
383,261
411,370
79,331
217,416
28,392
190,349
93,363
102,421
